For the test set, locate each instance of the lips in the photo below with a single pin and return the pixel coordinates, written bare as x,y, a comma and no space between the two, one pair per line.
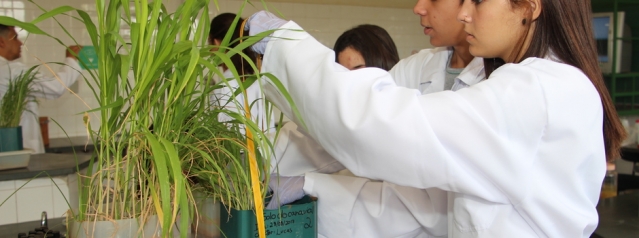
428,30
469,37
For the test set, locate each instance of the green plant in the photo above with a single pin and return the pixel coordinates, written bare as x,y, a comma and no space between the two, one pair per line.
159,136
15,99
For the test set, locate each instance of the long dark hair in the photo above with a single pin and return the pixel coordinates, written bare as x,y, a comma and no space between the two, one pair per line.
373,42
565,29
220,25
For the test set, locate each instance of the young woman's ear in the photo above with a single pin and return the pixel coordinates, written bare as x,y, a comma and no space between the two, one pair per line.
535,8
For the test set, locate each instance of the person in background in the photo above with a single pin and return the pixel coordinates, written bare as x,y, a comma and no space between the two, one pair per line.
220,25
498,148
295,151
44,87
366,46
359,207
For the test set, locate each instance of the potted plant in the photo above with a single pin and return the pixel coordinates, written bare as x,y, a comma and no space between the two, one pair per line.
12,105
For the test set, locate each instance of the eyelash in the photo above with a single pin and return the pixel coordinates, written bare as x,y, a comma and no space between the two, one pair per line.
477,1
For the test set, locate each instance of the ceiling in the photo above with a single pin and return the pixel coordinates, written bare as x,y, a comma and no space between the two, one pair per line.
367,3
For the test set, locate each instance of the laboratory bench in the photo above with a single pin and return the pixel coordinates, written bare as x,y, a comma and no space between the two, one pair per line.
43,165
48,183
57,161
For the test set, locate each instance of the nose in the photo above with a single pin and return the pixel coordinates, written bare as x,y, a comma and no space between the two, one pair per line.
420,8
463,15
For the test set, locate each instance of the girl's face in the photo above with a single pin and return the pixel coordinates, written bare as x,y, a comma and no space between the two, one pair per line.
214,42
439,19
351,59
494,28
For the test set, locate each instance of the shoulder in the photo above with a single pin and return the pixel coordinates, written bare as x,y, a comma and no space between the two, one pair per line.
10,69
545,71
554,83
424,56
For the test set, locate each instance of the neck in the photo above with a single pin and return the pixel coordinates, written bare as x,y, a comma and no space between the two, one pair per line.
461,56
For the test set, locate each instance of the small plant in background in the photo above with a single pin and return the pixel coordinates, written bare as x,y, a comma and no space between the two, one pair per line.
15,99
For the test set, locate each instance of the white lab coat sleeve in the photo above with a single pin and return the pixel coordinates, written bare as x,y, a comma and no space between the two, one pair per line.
478,141
358,207
55,86
296,153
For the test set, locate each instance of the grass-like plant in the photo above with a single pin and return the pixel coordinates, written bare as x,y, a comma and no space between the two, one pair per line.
15,99
158,133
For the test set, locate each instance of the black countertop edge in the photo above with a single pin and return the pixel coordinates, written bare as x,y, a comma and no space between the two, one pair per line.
70,149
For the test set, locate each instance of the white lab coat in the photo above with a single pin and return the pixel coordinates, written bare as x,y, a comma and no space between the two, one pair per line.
361,207
357,208
521,154
45,87
221,97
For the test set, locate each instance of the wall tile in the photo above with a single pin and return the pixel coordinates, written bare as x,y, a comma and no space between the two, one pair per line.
7,185
34,183
31,202
60,199
8,209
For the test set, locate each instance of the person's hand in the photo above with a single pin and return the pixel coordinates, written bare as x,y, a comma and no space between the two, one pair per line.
285,190
75,49
260,22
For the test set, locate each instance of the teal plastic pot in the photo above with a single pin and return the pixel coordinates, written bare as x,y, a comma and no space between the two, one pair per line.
10,139
296,220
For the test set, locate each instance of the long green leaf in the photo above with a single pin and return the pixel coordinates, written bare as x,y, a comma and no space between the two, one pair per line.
52,13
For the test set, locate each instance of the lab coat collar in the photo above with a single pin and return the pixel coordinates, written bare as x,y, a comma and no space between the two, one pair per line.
474,72
2,59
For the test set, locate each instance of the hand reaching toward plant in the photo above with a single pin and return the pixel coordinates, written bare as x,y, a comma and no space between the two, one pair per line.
285,190
75,49
260,22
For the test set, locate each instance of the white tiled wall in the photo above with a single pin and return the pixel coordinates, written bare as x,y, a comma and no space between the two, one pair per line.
36,196
8,209
325,22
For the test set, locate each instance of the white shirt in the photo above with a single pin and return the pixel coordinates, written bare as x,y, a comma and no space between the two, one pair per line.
521,154
259,113
425,71
45,87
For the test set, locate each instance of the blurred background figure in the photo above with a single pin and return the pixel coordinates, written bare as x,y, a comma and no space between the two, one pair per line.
43,87
220,25
366,46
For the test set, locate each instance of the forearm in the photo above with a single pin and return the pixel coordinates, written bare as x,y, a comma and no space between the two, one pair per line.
297,153
363,208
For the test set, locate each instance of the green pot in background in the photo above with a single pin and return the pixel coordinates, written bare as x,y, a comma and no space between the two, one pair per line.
10,139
